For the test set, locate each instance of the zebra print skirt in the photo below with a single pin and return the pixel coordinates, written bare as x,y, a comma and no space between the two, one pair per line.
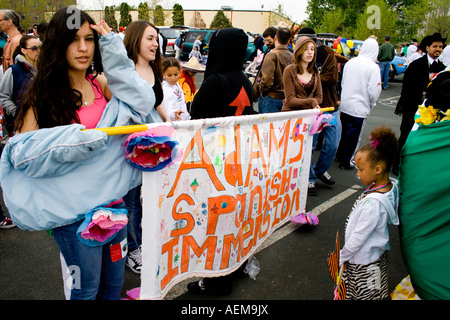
367,282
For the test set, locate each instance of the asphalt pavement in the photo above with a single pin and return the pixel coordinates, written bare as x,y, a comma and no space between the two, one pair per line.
293,263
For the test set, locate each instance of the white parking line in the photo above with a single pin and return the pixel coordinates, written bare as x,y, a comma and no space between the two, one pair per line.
389,102
390,98
279,234
290,227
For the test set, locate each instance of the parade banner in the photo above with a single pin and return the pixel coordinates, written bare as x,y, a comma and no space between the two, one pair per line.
224,187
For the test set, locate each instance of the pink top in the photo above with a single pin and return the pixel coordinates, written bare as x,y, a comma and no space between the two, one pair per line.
90,115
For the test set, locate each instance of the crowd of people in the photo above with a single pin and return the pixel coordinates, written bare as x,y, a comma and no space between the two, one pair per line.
57,78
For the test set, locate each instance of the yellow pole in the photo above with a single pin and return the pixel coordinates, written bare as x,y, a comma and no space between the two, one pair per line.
111,131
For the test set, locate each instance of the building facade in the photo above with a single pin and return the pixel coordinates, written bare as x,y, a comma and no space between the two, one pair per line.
255,21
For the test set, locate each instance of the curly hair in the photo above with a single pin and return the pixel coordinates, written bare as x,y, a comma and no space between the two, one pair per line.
382,147
51,96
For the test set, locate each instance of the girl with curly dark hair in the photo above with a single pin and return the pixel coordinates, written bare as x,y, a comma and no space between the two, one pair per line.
365,253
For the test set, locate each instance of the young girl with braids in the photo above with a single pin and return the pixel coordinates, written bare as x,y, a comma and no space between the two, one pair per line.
366,233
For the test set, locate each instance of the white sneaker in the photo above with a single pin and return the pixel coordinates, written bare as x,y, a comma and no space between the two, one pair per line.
134,260
312,190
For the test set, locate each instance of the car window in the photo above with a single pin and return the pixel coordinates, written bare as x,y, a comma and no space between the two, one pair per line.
328,42
191,36
170,33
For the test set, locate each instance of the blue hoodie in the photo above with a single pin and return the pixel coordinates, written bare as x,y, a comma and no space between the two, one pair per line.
52,177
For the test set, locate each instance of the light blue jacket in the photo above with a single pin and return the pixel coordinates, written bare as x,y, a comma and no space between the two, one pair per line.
53,177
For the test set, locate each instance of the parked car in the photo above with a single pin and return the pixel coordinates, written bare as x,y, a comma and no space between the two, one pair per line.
397,67
326,38
357,44
191,36
206,34
172,33
250,48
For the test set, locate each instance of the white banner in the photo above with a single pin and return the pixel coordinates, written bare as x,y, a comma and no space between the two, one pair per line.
235,181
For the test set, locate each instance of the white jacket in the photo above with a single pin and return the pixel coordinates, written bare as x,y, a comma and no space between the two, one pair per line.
174,101
361,82
367,233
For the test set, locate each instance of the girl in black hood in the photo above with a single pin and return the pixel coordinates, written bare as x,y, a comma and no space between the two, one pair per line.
225,90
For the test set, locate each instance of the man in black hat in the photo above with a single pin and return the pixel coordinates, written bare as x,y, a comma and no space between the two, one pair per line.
415,81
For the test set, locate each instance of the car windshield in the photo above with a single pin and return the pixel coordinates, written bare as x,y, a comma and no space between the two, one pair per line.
170,33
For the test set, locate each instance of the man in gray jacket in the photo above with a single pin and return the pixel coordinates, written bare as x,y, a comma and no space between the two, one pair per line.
270,77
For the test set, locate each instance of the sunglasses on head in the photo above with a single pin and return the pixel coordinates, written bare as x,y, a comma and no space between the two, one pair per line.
34,48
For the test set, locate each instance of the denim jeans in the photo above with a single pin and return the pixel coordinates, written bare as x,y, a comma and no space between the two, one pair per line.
268,104
134,206
94,274
331,138
385,66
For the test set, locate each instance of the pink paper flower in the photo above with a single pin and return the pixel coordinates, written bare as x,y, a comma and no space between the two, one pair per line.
133,294
153,149
322,121
103,225
305,218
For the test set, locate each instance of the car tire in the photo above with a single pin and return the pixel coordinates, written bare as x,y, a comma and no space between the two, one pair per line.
392,74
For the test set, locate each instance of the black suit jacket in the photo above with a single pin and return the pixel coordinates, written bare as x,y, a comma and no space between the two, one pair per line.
415,82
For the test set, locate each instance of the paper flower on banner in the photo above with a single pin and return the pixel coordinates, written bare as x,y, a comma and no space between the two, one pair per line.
133,294
321,122
101,224
428,115
153,149
305,218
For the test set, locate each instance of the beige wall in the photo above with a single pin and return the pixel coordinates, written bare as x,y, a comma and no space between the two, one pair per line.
253,21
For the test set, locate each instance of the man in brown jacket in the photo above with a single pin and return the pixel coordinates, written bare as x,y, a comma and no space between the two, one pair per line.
270,78
327,64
